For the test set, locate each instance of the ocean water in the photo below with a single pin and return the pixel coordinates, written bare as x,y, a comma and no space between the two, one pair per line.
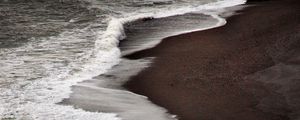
61,76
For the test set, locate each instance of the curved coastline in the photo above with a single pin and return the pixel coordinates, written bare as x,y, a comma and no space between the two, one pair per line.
150,60
227,72
105,86
99,93
57,90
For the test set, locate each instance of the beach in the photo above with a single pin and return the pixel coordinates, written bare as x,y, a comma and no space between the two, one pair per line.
245,70
63,59
149,60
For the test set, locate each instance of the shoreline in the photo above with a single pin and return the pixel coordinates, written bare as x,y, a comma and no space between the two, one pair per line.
90,94
217,73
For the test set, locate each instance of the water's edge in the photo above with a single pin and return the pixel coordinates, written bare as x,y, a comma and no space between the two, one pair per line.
134,106
79,73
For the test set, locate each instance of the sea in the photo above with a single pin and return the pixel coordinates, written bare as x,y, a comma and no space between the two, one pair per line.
63,59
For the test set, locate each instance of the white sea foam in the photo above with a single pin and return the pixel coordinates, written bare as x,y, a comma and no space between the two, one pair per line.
32,82
37,99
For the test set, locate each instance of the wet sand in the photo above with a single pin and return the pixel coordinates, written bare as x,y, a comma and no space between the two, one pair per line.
246,70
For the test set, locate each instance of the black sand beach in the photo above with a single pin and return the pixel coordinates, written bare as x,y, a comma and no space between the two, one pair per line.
246,70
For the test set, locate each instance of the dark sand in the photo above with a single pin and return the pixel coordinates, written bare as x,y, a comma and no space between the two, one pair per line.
248,69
